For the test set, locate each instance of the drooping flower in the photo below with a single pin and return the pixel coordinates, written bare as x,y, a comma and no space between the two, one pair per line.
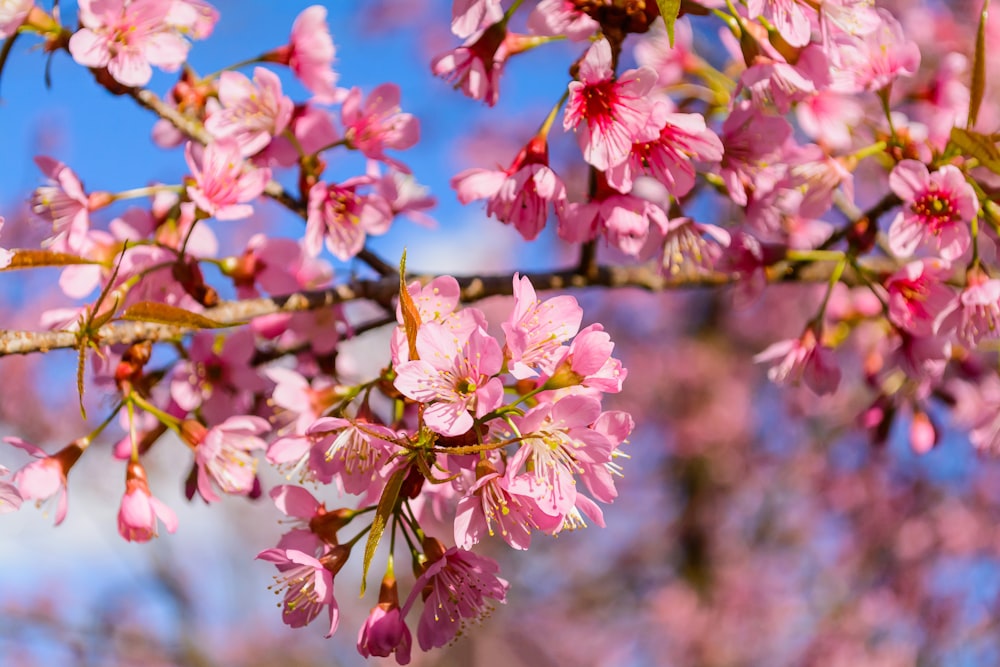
46,477
802,359
937,210
307,583
875,59
223,454
520,195
469,16
253,112
65,204
614,111
452,377
561,17
476,66
974,313
917,294
223,182
127,38
353,451
311,54
385,631
461,583
140,510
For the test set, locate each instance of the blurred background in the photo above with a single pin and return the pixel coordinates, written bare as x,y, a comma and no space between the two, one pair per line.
755,524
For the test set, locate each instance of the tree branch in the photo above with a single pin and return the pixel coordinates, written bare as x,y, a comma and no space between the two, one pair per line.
385,289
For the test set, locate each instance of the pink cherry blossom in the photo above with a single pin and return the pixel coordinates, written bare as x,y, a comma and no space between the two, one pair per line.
624,219
354,452
406,197
669,62
937,210
224,454
587,362
536,330
691,247
311,54
520,195
342,217
778,84
452,377
223,182
873,60
252,113
45,477
614,111
791,18
307,583
461,583
140,510
127,38
500,503
65,204
751,138
196,18
469,16
974,313
12,15
378,123
918,294
476,66
561,17
679,139
802,359
385,632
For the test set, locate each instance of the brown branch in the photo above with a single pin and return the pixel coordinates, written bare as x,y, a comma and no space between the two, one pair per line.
385,289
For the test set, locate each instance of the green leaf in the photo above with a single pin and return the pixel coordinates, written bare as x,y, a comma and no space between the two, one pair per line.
161,313
386,506
411,316
979,146
26,259
669,9
978,84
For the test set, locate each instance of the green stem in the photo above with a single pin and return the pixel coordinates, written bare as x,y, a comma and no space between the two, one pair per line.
171,422
148,191
814,255
234,66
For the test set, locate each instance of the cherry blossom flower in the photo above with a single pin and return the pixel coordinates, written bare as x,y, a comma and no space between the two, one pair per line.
536,330
974,313
385,632
307,583
790,18
355,452
778,84
12,15
223,182
937,209
918,294
625,219
692,247
378,123
873,60
65,204
127,38
223,454
460,583
196,18
6,256
802,360
476,66
406,197
561,17
502,501
751,138
314,525
452,377
252,113
342,217
311,54
678,139
140,509
45,477
519,195
469,16
669,62
614,111
587,362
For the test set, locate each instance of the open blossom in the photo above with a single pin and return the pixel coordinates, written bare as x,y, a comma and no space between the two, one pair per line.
802,360
127,38
917,294
561,17
224,454
452,376
196,18
378,123
12,15
342,217
875,59
536,330
253,112
791,18
751,139
519,195
624,219
678,139
311,54
45,477
10,497
937,210
307,583
223,182
65,204
461,584
974,313
140,510
475,67
613,111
